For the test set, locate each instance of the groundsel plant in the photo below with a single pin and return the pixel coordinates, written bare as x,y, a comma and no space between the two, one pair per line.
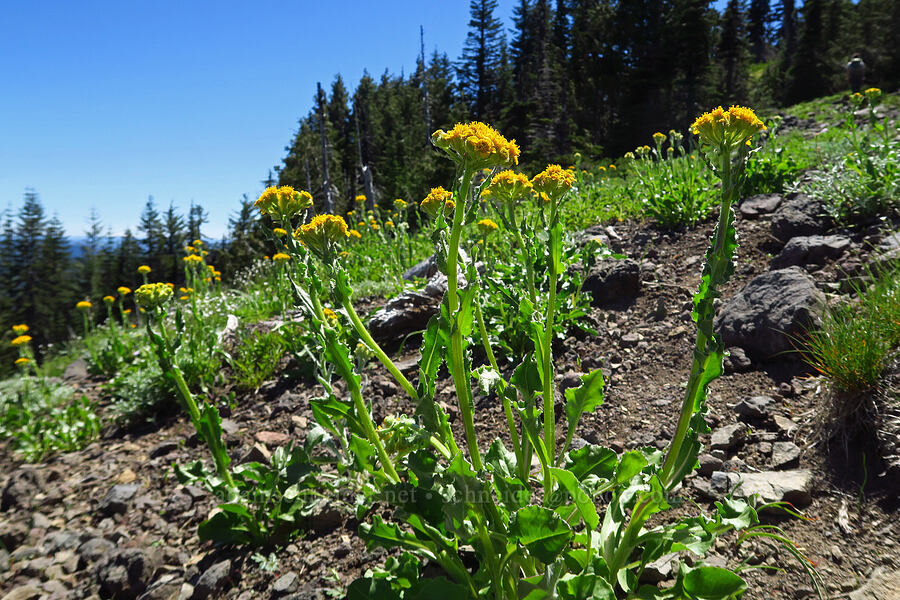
534,533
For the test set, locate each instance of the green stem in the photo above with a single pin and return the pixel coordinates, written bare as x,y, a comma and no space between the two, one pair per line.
526,258
549,388
460,374
385,360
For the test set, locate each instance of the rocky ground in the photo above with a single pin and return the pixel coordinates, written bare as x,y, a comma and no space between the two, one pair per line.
111,521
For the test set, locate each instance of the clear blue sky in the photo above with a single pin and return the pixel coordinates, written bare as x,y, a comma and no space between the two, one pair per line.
105,103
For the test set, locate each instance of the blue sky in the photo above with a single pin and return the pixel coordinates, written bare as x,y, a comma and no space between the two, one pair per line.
105,103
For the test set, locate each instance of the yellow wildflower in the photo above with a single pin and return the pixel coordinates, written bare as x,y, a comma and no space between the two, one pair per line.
281,256
211,268
477,145
360,199
509,186
20,329
127,311
728,128
204,253
22,361
612,167
283,203
436,199
400,204
123,291
217,273
553,181
389,224
84,305
330,316
602,168
487,226
151,295
361,224
109,299
144,269
659,137
374,226
873,94
21,340
350,213
198,242
354,234
629,155
192,258
279,231
190,249
323,231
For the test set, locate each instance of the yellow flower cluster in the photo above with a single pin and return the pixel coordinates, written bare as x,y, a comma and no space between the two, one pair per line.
144,269
84,305
151,295
21,340
400,204
109,299
354,234
193,259
477,145
323,231
730,128
360,199
22,361
20,329
190,249
554,181
659,137
123,291
438,198
509,186
487,226
283,203
279,231
281,257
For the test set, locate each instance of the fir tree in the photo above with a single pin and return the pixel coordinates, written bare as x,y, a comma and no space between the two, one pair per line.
480,64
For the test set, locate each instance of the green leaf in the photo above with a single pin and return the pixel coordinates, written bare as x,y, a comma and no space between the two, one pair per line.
592,460
368,587
586,586
580,497
210,429
585,398
440,587
712,583
630,464
541,531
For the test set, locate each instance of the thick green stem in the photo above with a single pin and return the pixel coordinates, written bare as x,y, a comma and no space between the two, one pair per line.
717,260
549,387
460,374
385,360
526,258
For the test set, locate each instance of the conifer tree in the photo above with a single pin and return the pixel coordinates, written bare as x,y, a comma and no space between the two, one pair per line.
480,64
758,16
197,217
173,242
151,227
733,54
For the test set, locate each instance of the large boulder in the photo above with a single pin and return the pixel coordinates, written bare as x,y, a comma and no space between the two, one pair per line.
811,250
772,309
799,214
409,312
762,204
613,282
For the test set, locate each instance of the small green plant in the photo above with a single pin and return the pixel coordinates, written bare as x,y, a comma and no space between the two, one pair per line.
774,165
674,186
256,358
856,340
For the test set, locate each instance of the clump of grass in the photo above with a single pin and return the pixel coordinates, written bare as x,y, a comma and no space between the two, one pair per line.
256,359
857,339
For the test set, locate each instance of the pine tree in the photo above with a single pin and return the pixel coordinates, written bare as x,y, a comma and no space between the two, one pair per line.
173,242
758,16
27,238
55,293
733,54
90,262
198,217
480,64
151,226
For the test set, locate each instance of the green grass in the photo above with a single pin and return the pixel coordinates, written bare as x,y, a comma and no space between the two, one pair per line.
857,339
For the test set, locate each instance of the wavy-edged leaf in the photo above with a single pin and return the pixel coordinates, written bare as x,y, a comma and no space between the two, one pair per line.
541,531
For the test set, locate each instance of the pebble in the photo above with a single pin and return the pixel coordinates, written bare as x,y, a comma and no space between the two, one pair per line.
213,580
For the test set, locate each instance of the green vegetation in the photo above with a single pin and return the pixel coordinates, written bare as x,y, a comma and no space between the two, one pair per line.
856,340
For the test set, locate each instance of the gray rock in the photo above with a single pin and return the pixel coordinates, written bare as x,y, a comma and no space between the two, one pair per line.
708,464
166,587
21,487
785,426
811,250
409,312
125,573
722,482
736,361
771,308
613,282
428,268
326,517
23,592
728,436
778,486
755,407
61,540
93,550
660,569
13,534
77,369
213,580
4,561
785,455
117,499
163,448
286,584
883,584
761,204
177,504
797,215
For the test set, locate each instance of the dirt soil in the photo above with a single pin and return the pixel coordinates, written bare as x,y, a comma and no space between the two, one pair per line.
50,510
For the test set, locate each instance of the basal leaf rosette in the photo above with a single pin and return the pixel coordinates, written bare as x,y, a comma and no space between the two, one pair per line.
727,129
476,146
554,181
283,203
322,233
152,295
508,187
